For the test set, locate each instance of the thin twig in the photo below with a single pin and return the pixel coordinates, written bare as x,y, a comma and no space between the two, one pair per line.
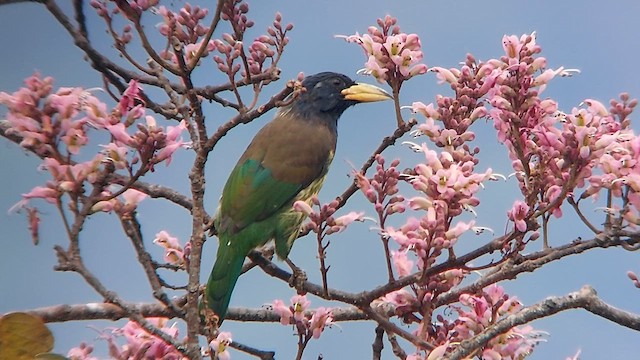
386,142
131,228
576,207
248,117
261,354
378,345
76,264
390,327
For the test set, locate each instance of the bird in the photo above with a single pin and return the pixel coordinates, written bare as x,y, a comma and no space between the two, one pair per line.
286,161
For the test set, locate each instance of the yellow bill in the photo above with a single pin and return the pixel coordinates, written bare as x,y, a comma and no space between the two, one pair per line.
365,93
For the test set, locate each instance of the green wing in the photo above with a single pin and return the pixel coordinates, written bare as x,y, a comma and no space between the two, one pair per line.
283,159
252,194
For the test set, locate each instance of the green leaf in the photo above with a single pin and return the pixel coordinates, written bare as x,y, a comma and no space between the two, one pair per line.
23,336
50,356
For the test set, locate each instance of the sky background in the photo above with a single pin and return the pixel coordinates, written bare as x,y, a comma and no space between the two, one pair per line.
600,39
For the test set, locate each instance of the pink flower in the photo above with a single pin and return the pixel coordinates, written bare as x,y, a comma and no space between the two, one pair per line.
299,304
167,152
105,206
117,154
390,53
74,139
284,311
166,241
450,76
133,197
295,312
172,141
173,132
130,97
345,220
320,319
596,107
120,135
174,254
41,192
511,46
420,203
81,352
428,111
456,231
375,69
400,298
220,345
66,101
402,263
518,215
438,352
576,356
303,207
139,340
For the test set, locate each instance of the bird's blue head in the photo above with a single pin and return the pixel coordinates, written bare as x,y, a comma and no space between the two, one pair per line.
329,94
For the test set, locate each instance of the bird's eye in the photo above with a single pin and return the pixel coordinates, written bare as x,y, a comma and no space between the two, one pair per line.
337,82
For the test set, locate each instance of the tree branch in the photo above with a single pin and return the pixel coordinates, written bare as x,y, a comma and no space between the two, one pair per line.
586,298
529,263
107,311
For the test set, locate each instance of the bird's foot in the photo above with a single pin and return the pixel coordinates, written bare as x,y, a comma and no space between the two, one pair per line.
298,277
210,227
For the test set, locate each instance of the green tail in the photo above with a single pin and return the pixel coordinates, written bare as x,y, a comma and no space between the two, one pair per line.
223,278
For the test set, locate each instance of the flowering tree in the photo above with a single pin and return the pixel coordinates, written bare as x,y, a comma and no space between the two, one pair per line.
422,214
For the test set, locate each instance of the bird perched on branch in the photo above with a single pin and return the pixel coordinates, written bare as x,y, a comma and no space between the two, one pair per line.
286,161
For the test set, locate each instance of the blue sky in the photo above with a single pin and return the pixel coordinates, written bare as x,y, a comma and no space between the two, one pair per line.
600,39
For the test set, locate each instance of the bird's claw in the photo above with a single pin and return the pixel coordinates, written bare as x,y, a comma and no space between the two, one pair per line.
210,228
298,277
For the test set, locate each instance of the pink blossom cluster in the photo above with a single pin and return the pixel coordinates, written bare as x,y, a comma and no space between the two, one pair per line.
382,189
392,56
307,324
56,126
268,47
446,188
231,50
480,311
418,299
447,121
174,253
323,221
185,26
477,312
555,153
235,12
447,180
619,162
138,6
138,344
132,11
448,184
44,120
265,47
